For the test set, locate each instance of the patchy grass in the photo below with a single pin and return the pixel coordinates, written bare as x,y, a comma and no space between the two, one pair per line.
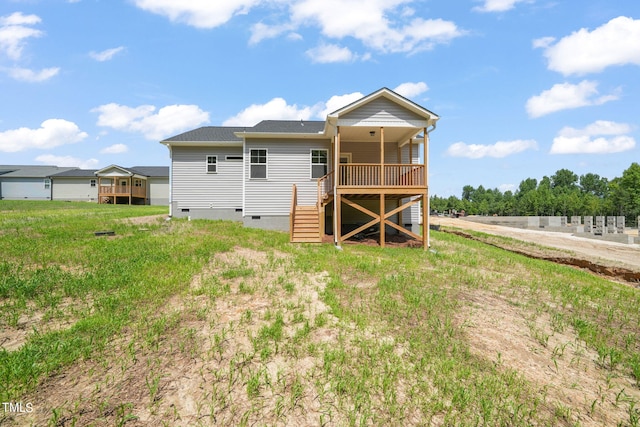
207,322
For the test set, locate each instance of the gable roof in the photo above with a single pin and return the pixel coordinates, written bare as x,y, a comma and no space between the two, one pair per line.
390,95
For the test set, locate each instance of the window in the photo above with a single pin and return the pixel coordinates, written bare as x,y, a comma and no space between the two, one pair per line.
47,184
138,183
92,182
318,163
212,164
258,164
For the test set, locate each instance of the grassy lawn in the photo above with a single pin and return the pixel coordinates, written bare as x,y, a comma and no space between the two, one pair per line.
209,323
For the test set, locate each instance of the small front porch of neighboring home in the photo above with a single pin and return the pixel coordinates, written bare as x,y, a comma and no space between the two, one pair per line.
117,185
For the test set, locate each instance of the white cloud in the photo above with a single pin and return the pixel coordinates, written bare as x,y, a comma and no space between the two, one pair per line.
411,90
328,53
198,13
51,133
107,54
600,137
279,109
336,102
115,149
373,24
615,43
382,25
498,150
167,121
276,109
67,161
543,42
27,75
507,187
498,5
14,31
262,31
564,96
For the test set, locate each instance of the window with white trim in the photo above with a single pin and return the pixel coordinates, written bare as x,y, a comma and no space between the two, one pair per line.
47,184
212,164
92,182
319,163
258,164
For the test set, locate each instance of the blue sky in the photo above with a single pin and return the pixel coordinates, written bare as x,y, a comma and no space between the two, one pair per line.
523,87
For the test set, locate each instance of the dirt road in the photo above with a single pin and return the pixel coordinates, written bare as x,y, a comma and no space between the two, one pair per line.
604,253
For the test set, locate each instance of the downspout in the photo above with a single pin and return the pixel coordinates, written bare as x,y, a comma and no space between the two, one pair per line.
336,167
426,165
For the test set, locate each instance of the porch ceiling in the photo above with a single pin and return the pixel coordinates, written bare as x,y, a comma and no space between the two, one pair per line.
391,134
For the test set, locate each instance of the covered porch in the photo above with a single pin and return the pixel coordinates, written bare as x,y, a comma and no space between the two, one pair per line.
117,185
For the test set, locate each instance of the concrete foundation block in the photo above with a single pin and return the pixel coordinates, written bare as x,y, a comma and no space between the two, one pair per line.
611,225
599,228
588,224
620,223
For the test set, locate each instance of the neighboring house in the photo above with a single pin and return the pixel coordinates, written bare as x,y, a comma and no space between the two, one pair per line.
76,185
356,170
24,182
114,184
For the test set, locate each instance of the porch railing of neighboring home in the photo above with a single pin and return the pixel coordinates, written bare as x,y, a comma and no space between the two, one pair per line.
377,175
123,190
325,187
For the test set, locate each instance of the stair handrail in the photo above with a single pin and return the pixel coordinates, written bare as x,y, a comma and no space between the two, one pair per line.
292,214
325,186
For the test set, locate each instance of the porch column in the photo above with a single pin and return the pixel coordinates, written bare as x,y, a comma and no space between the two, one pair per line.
411,150
99,186
337,198
381,155
130,189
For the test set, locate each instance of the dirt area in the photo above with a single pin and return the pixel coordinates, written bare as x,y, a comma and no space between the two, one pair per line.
612,259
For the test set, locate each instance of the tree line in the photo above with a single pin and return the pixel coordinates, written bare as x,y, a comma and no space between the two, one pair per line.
563,193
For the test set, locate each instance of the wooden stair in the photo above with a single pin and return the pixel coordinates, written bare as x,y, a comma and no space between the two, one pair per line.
306,225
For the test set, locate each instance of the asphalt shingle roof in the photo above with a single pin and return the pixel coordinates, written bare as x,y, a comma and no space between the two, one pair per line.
30,171
77,173
152,171
288,126
209,134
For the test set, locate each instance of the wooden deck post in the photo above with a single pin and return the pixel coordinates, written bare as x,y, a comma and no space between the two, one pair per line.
382,226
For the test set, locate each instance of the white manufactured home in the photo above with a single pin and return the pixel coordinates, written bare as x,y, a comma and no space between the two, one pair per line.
356,170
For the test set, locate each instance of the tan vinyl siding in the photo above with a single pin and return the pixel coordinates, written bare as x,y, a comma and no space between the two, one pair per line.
411,215
369,152
194,188
158,188
288,163
74,189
